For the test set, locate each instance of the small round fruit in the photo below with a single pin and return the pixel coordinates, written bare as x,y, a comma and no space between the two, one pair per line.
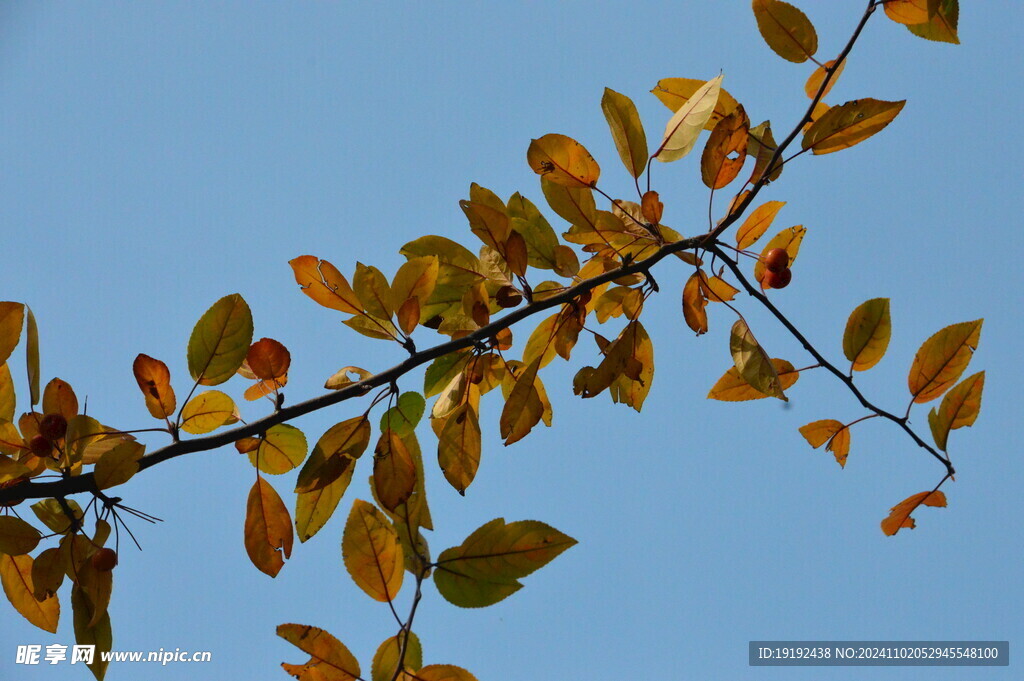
40,446
104,560
778,279
776,259
53,427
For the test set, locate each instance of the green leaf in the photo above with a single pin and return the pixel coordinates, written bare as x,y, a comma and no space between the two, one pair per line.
32,355
403,417
220,341
487,566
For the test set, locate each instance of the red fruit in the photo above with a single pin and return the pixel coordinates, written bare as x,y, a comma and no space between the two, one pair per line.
778,279
776,260
53,427
104,560
40,446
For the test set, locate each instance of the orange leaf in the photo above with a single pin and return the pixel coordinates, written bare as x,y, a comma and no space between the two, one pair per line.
818,77
268,359
268,529
788,239
867,333
394,473
757,223
693,305
899,516
726,150
154,379
843,126
321,281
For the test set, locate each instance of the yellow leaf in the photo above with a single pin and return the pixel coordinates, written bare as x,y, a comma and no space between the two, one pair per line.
942,359
459,446
59,398
47,573
684,127
282,448
943,25
867,333
541,241
575,205
385,660
523,408
329,660
959,408
487,566
416,278
11,469
371,551
693,305
16,576
818,77
752,363
757,223
321,281
899,516
541,343
490,224
8,401
818,433
372,327
839,445
726,150
313,509
731,387
848,124
413,512
394,473
154,379
789,240
716,289
97,635
761,145
786,29
16,536
444,672
675,92
220,340
342,379
32,355
563,160
12,318
208,411
373,291
334,454
268,529
117,465
627,130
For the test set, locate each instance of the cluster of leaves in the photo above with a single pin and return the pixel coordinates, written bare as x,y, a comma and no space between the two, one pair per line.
472,299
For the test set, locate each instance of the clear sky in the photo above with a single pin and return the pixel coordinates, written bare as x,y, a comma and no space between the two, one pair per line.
157,156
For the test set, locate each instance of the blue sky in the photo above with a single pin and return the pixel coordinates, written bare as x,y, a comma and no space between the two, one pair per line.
155,157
